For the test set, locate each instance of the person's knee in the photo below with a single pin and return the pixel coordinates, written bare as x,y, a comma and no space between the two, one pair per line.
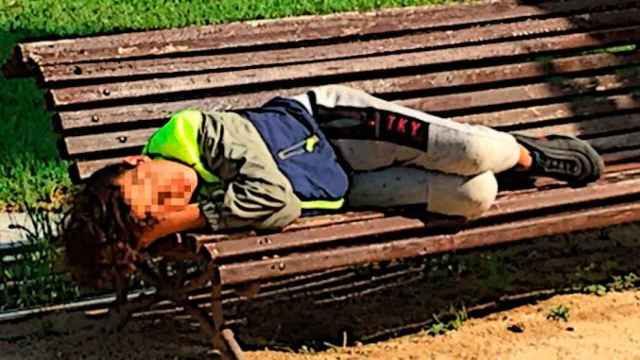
494,153
459,196
479,193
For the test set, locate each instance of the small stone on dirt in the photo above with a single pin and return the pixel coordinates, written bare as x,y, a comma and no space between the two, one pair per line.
516,328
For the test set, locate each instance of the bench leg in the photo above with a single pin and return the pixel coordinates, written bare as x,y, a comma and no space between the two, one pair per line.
222,339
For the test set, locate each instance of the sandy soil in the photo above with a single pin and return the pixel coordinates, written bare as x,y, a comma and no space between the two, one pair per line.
606,327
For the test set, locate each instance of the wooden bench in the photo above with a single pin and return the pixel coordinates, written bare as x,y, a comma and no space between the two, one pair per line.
568,67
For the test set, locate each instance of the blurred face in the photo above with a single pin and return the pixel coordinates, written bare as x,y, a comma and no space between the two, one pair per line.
155,187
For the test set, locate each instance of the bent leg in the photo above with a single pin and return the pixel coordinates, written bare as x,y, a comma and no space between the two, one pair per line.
443,193
372,133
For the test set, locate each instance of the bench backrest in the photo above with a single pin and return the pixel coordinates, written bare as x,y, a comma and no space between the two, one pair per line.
568,67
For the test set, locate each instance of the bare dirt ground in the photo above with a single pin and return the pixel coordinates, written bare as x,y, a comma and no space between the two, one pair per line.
390,319
598,327
606,327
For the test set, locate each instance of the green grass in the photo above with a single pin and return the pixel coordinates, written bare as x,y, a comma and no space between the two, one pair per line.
40,17
33,276
560,312
29,165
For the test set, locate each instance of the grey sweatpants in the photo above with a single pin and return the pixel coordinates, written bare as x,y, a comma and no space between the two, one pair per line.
401,156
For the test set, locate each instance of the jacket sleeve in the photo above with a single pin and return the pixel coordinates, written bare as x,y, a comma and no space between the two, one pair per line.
250,203
255,193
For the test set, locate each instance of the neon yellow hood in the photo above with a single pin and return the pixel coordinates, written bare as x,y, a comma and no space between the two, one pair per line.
178,140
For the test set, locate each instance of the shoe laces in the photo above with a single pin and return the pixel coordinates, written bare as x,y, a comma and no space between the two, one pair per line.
564,166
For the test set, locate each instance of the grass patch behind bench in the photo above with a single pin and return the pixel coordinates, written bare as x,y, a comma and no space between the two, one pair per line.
31,171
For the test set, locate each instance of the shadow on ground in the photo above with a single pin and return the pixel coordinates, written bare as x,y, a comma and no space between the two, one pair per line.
481,280
478,283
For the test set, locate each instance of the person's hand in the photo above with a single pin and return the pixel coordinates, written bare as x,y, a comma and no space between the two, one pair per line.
190,218
134,160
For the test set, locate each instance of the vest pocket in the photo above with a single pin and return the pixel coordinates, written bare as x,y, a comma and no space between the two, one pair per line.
305,146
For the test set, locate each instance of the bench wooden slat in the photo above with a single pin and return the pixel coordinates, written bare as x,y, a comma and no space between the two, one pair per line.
302,223
144,88
616,142
395,224
612,143
565,110
76,145
290,31
280,57
593,127
621,156
68,120
512,94
421,246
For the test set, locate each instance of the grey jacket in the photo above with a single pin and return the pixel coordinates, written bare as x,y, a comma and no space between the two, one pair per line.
254,192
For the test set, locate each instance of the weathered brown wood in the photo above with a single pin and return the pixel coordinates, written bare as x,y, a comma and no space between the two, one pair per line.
444,79
621,156
600,125
513,94
279,57
504,206
109,141
519,202
83,169
614,170
133,89
198,240
565,110
616,142
313,236
261,33
420,246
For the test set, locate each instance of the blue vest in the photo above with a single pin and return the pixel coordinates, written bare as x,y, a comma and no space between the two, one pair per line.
302,152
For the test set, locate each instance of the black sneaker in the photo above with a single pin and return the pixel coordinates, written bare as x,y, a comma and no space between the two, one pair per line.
564,158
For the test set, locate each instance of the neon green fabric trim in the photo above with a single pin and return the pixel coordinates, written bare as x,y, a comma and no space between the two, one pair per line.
178,140
311,142
322,204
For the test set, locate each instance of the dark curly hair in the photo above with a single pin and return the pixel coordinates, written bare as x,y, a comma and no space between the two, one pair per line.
101,234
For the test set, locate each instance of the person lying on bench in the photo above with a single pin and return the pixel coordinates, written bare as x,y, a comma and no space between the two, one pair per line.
329,149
